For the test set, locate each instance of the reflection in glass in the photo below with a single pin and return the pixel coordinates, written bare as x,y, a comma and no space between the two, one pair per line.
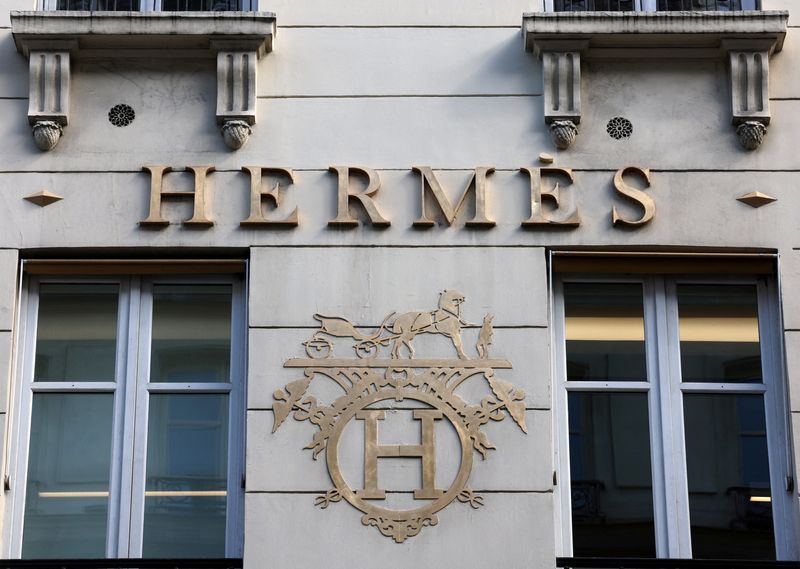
98,5
612,494
200,5
730,507
717,5
66,503
191,333
76,332
186,483
604,332
592,5
719,333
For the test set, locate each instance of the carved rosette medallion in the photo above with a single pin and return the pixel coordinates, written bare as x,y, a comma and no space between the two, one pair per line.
371,379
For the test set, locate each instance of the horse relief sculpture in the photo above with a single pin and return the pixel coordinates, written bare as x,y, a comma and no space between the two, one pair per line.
370,378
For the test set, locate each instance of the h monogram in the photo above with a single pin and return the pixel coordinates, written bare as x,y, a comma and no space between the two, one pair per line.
373,451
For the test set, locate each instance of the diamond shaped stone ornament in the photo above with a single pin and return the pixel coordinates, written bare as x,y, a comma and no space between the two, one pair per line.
756,199
43,198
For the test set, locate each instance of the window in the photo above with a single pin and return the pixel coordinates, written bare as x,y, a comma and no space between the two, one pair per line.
131,418
650,5
672,433
150,5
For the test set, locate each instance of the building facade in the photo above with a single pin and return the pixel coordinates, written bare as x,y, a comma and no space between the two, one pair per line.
424,284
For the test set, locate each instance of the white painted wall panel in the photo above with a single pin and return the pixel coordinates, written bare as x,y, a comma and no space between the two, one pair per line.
6,352
398,61
790,280
792,346
783,82
8,288
366,284
13,67
401,13
790,5
511,530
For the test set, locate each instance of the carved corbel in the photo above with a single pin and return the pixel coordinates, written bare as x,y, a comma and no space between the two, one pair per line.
236,93
749,75
561,73
561,83
48,100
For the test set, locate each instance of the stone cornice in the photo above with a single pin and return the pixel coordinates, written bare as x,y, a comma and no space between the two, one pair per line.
652,34
142,34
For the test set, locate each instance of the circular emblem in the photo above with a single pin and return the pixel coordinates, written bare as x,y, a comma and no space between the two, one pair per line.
414,519
384,368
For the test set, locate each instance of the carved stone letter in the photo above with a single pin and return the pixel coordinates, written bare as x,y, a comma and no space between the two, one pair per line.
48,97
431,182
346,196
201,215
635,195
540,192
258,194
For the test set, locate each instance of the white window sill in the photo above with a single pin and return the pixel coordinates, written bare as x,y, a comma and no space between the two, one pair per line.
142,34
653,34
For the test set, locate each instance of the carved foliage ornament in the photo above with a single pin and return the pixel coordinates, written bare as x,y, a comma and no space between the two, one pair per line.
384,369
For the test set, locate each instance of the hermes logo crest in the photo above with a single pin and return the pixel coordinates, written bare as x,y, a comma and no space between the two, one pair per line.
384,375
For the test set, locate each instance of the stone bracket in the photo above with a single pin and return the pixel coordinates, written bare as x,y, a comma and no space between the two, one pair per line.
236,94
748,65
48,96
561,82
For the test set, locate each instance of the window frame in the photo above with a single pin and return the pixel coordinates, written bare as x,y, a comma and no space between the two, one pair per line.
155,5
131,390
639,5
665,408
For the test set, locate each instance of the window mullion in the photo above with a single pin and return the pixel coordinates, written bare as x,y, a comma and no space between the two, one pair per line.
770,327
234,520
118,495
562,489
139,362
671,409
19,477
655,362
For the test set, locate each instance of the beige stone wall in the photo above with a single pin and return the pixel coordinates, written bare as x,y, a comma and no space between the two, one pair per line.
391,85
289,285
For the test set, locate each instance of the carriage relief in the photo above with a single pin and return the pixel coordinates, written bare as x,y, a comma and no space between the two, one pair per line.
397,331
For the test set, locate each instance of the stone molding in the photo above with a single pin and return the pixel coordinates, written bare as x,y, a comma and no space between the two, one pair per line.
50,39
745,39
164,35
657,34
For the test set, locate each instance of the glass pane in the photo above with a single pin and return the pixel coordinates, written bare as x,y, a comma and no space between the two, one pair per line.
730,507
719,333
186,486
95,5
191,333
612,493
604,332
66,504
76,333
592,5
718,5
199,5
